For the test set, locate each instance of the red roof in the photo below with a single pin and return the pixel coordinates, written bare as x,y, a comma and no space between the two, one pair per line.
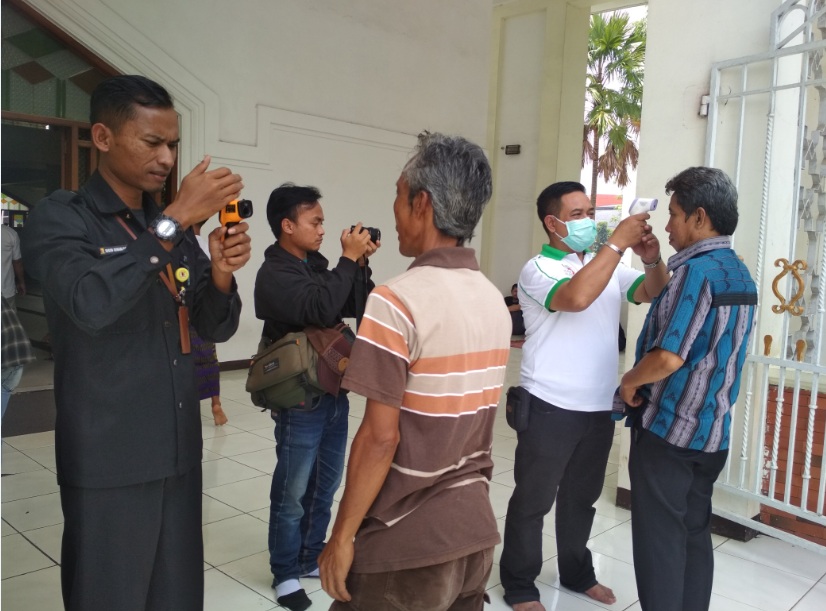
609,200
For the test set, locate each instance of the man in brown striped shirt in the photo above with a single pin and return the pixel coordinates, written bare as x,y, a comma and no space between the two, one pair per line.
432,369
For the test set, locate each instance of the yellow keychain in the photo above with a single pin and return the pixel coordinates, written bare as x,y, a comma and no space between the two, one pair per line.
182,274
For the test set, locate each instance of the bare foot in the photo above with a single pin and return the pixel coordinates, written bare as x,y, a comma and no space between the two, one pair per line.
218,414
602,594
534,605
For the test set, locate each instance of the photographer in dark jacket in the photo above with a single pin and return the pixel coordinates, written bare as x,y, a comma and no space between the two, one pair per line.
128,431
295,289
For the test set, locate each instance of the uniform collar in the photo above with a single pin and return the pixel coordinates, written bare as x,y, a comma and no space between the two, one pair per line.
450,257
556,254
106,201
707,245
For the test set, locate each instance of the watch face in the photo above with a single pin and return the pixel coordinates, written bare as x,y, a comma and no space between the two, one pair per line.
165,229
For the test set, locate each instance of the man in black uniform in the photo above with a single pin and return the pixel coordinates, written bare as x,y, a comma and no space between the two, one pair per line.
293,290
128,434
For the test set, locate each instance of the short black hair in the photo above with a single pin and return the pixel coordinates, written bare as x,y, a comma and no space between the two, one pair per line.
285,201
114,99
549,201
710,189
514,286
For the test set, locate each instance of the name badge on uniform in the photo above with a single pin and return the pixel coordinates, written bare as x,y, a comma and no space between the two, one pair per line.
110,250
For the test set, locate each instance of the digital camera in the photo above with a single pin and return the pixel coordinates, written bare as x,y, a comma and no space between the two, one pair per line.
375,234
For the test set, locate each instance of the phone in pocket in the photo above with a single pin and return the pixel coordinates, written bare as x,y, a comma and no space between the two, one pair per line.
517,408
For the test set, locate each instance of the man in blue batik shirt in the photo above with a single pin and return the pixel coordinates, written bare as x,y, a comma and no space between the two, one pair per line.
690,355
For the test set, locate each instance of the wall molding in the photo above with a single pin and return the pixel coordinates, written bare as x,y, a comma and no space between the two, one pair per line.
105,33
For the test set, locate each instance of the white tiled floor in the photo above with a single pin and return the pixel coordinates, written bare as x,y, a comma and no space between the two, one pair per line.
764,574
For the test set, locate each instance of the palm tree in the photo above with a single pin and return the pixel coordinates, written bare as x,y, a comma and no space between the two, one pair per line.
616,52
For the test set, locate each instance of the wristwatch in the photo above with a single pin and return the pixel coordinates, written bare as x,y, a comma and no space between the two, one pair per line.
168,229
654,264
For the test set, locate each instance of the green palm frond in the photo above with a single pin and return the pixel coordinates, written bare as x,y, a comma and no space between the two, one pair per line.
614,85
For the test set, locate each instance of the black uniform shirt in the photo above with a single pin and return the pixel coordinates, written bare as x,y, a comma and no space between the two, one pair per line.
127,405
291,294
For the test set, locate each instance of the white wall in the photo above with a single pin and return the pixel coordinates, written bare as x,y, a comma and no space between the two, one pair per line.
673,136
323,92
536,99
520,94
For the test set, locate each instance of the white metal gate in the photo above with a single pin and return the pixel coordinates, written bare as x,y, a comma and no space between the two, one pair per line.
767,129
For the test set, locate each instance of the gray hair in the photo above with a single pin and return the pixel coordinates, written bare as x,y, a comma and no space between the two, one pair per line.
457,175
709,189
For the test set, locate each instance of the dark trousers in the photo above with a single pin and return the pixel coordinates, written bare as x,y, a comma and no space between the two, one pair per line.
560,456
457,585
134,548
671,523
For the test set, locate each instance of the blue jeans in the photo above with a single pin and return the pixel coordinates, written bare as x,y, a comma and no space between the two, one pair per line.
310,449
11,378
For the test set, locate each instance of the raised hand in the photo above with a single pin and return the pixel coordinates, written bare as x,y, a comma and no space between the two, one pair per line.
630,231
233,253
203,193
648,248
355,244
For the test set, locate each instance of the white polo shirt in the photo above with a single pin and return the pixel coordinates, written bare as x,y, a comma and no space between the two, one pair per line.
570,359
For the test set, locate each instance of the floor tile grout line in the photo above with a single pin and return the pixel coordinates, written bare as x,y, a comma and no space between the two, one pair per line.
233,507
787,572
277,606
740,602
25,498
57,562
45,568
35,460
814,585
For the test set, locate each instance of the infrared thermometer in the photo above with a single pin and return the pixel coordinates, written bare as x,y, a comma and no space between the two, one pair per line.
235,212
641,205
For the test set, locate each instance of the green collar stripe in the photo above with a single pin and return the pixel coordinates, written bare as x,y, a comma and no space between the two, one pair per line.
552,292
553,253
634,288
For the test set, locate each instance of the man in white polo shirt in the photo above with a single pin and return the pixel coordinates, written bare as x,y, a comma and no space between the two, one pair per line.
571,301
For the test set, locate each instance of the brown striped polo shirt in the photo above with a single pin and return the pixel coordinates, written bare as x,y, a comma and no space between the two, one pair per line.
434,342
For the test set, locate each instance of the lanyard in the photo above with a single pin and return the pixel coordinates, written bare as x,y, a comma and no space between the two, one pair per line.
169,280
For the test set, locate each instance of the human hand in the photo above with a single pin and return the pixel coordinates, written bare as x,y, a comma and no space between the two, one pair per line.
649,248
372,248
334,564
21,287
630,394
233,253
203,194
630,231
356,243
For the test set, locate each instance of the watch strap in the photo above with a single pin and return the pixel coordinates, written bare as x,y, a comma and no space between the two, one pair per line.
654,264
177,238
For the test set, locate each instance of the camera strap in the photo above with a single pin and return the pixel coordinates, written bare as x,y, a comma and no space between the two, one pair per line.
169,280
360,293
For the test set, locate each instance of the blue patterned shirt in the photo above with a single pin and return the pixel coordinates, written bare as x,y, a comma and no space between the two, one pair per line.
705,314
